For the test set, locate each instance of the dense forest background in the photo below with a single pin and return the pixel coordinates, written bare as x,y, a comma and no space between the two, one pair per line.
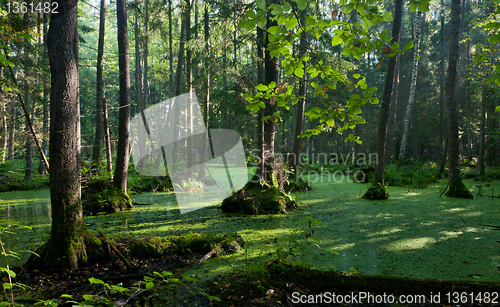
223,55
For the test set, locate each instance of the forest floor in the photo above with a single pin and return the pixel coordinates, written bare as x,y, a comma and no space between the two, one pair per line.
414,234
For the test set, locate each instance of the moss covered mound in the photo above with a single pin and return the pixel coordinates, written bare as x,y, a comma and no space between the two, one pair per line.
376,192
193,243
99,195
257,199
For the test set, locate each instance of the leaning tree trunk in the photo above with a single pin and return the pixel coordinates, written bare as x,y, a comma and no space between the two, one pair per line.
413,84
107,138
456,187
122,153
377,189
99,89
70,243
45,141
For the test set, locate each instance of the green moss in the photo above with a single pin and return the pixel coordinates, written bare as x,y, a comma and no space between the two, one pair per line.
376,192
197,243
99,195
257,199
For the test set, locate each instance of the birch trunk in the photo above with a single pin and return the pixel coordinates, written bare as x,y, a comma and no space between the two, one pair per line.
413,84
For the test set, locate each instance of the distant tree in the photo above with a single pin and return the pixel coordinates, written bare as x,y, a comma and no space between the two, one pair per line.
99,88
456,188
377,189
122,157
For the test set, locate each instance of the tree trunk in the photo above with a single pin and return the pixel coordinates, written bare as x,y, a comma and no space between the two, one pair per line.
12,124
301,104
377,189
45,142
456,187
70,242
413,84
206,99
99,89
270,75
107,138
189,77
260,124
480,159
3,146
122,154
390,147
491,138
170,50
145,100
441,83
28,153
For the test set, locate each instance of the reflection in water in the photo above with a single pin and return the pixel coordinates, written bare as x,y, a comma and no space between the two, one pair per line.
28,208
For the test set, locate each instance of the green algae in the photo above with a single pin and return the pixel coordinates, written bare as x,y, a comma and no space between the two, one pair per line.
415,233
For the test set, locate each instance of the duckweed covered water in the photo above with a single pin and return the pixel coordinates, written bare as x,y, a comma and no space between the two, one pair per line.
414,233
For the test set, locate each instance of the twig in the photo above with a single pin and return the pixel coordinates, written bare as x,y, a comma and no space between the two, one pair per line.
204,258
445,189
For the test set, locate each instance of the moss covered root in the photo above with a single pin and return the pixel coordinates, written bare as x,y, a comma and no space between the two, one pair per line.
257,199
376,192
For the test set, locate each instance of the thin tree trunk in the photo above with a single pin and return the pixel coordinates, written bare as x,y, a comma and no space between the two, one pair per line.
138,66
107,138
170,49
480,159
456,187
260,125
441,83
491,125
377,189
413,84
122,157
146,96
189,77
301,104
206,99
390,147
99,88
45,142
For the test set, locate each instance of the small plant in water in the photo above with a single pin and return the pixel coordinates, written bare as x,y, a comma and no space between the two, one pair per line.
8,287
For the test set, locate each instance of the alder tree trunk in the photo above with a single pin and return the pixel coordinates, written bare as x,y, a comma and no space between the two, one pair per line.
377,189
189,80
122,153
27,76
70,244
413,84
442,77
96,153
456,188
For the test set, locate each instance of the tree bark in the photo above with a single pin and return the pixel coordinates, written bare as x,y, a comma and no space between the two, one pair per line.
99,88
145,100
189,80
170,49
377,189
69,241
413,84
441,83
122,154
27,144
491,103
456,187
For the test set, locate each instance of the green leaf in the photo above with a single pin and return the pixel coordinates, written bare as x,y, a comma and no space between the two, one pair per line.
299,72
149,286
277,9
395,46
261,4
357,76
301,4
10,272
95,281
497,109
250,13
409,45
6,285
88,297
387,17
330,122
261,87
272,30
215,298
291,23
336,40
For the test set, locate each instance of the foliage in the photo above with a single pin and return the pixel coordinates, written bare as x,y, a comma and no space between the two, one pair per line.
12,177
416,175
259,199
157,285
354,38
10,273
